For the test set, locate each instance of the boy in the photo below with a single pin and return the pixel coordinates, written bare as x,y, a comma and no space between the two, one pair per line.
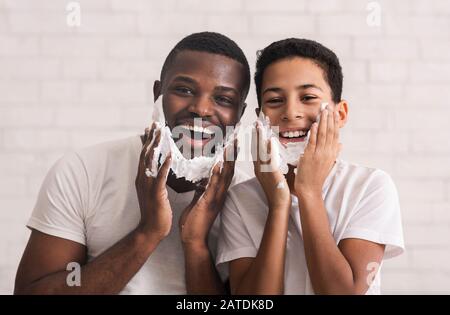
325,228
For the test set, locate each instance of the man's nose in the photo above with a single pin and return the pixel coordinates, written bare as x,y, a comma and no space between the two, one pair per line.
202,106
293,110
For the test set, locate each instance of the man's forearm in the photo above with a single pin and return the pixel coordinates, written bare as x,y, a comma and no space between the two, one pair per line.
201,274
106,274
329,270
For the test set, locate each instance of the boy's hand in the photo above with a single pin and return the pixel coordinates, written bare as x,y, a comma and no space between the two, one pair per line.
197,219
268,174
156,213
320,155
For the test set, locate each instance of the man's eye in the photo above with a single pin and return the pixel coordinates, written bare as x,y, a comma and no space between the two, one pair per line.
275,101
224,100
184,90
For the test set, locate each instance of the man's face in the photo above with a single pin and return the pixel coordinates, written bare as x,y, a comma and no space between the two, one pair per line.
207,87
293,90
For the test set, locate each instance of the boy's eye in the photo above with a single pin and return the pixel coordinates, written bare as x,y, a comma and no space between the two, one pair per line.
308,98
183,90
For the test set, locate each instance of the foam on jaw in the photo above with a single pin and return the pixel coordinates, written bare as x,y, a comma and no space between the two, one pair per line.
192,170
284,154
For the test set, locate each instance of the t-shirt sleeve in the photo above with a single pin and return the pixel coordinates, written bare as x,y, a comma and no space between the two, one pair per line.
234,239
377,217
62,201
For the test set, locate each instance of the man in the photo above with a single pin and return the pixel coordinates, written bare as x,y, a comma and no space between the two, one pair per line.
131,233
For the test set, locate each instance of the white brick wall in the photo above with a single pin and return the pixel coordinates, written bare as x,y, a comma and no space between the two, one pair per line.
63,88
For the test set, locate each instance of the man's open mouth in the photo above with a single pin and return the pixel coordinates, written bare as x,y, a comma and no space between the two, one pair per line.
196,137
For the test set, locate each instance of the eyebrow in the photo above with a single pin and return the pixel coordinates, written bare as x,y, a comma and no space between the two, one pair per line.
222,88
182,78
303,86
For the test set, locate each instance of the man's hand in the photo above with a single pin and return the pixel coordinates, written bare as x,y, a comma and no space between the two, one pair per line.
320,155
268,174
156,213
197,219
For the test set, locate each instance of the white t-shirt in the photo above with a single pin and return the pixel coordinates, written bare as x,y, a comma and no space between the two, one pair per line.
361,203
89,197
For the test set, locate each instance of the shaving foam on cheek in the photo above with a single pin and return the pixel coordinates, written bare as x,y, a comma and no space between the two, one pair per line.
285,154
192,170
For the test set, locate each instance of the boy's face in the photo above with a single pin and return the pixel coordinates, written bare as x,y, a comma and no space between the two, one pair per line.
293,90
204,86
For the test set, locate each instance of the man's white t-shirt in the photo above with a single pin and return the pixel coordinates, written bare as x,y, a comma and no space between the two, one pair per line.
89,197
361,203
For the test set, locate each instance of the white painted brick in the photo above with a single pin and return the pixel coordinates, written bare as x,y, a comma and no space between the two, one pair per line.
210,5
18,46
441,210
430,72
421,191
144,5
173,23
34,22
415,212
227,24
127,47
435,49
373,95
87,117
35,139
62,92
386,49
113,92
427,236
80,68
282,25
354,71
29,68
12,186
416,26
26,117
137,117
416,118
423,142
366,119
16,164
91,137
388,71
377,142
347,25
73,46
435,96
430,259
330,6
275,6
107,23
128,69
419,166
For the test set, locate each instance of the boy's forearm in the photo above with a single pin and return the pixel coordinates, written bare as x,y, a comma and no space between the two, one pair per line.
266,273
108,273
329,270
201,274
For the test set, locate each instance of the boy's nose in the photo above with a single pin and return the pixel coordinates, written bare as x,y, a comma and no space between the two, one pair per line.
293,110
202,106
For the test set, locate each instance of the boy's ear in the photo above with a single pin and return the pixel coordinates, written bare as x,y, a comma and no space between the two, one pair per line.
156,90
342,108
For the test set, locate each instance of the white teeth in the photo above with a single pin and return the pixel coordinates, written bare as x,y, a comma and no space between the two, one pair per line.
293,134
198,129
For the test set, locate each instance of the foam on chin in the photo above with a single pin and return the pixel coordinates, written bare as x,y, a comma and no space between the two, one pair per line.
194,169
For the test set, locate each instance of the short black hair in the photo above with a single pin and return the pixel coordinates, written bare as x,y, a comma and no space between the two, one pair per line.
305,48
210,42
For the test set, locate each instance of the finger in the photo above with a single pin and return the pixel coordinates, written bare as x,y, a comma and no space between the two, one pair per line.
161,178
312,141
330,128
147,142
336,127
151,149
255,146
213,181
322,130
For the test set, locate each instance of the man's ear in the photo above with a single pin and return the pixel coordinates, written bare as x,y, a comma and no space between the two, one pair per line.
342,108
156,89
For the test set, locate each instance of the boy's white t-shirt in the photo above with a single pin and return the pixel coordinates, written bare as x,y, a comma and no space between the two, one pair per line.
89,197
361,203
